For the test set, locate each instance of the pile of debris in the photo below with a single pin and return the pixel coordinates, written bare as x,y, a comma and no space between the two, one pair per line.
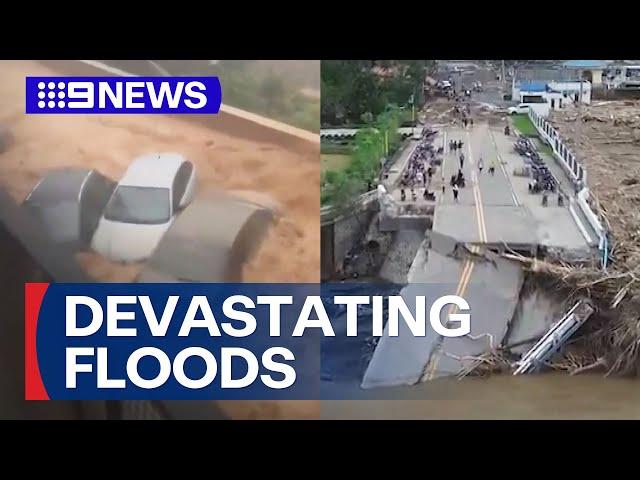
611,339
605,136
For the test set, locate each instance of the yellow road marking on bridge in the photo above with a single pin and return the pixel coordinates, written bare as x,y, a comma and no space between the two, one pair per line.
514,197
467,269
482,228
465,276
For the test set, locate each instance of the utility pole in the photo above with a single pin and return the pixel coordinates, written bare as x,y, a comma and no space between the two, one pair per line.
581,73
386,143
413,106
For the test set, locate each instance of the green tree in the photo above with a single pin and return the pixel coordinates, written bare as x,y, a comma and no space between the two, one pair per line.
352,89
272,92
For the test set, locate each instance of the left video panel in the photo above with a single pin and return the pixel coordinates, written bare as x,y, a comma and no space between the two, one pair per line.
158,197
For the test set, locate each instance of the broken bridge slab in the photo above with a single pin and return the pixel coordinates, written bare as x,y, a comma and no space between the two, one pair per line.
483,280
493,294
401,360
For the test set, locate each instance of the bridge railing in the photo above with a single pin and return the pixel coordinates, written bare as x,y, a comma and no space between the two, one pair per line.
329,212
567,159
341,133
576,172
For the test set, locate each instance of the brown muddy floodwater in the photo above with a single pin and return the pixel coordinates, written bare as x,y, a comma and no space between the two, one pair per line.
545,396
555,395
108,143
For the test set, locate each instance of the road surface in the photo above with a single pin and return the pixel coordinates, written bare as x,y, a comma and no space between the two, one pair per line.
492,210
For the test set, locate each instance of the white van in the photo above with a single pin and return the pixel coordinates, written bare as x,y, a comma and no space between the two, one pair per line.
518,109
541,109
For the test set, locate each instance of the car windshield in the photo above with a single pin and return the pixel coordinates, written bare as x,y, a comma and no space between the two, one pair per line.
146,205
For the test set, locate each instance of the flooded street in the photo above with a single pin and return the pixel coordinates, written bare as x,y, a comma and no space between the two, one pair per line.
224,161
109,143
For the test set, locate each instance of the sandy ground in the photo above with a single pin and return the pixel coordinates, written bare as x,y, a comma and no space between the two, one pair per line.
290,253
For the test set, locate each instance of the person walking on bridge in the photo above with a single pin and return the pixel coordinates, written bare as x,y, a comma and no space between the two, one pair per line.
461,160
480,165
455,192
492,167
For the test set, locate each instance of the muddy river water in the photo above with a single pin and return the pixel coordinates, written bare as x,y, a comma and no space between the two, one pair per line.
544,396
555,395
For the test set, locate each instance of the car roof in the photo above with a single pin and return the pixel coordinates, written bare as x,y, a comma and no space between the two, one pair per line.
153,170
57,260
59,185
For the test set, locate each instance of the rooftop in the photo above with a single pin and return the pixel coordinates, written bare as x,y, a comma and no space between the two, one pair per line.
543,74
533,86
586,63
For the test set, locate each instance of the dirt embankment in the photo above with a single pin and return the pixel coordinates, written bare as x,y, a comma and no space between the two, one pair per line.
290,253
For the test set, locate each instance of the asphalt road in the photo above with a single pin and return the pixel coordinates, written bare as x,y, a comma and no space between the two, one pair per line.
492,209
492,89
498,208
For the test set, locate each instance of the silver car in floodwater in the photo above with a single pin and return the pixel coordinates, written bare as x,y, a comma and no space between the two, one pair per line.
153,191
68,203
211,240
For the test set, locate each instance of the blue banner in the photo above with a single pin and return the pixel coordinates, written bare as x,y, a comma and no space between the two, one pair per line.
173,95
169,341
192,341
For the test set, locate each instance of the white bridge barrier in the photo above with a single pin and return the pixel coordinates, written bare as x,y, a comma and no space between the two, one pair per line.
555,338
330,213
341,133
576,172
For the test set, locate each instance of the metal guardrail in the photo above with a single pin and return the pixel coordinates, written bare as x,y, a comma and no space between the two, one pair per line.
567,158
576,172
555,338
351,132
328,212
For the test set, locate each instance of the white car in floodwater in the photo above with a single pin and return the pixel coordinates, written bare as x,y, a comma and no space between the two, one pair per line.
144,204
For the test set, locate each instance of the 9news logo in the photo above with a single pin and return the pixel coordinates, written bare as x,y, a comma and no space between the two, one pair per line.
173,95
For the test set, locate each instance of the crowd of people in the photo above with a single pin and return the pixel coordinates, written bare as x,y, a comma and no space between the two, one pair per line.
420,168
